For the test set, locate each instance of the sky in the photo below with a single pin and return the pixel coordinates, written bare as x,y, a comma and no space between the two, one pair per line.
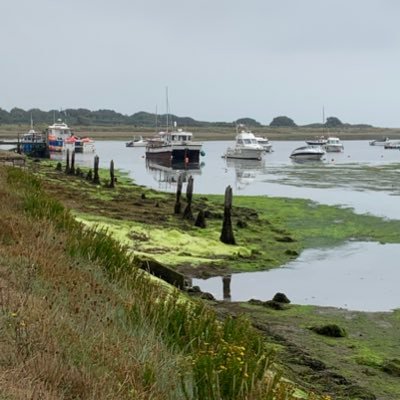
220,59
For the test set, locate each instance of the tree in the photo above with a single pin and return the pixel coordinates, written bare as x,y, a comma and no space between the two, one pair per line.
282,121
248,122
332,122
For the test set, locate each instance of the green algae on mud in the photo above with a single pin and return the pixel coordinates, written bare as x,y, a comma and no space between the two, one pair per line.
269,231
318,225
351,367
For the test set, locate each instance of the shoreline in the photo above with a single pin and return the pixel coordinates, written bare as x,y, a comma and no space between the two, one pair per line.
348,367
125,133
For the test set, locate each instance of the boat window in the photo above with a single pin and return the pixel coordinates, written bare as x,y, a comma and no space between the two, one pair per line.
240,141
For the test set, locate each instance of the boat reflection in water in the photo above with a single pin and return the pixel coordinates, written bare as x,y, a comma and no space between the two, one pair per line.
246,171
167,174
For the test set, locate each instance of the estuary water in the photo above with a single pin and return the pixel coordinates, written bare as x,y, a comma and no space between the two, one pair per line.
356,275
363,177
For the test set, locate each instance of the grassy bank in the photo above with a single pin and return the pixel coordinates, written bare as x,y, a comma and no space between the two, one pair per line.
79,320
363,364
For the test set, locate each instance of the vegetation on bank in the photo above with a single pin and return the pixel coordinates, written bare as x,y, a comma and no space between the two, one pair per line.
77,309
269,231
360,362
79,320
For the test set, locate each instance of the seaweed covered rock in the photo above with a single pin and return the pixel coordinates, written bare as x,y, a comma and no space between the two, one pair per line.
331,330
392,367
256,302
276,305
281,298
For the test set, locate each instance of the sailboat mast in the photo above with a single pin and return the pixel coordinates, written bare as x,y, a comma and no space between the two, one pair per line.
166,95
156,118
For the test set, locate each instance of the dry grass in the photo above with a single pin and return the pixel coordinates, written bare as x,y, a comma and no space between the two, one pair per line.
64,329
79,321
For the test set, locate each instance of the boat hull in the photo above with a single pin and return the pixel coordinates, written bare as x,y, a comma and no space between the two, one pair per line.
244,153
56,145
172,153
307,156
314,153
334,149
35,149
136,144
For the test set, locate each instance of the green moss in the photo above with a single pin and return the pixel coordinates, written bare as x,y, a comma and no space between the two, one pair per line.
273,230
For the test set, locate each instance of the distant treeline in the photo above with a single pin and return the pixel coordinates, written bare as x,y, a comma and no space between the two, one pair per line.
84,117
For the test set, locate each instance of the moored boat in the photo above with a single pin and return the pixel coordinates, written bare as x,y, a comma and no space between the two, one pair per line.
333,145
318,141
246,147
308,153
60,138
34,144
57,134
265,143
392,144
174,147
380,142
79,145
137,141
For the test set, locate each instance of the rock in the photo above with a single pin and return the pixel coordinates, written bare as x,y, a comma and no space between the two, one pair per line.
207,296
281,298
331,330
255,302
276,305
194,289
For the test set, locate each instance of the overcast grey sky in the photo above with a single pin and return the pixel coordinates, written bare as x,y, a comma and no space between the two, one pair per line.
221,59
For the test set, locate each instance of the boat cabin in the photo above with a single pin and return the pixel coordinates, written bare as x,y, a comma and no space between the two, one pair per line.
59,130
178,136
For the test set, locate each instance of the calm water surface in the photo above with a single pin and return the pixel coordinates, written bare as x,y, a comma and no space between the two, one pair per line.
360,276
351,276
362,177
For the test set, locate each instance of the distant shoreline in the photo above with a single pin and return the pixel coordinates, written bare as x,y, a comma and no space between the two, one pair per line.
210,133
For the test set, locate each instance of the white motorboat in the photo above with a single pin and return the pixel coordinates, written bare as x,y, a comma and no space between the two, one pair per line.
265,143
318,141
380,142
137,141
333,145
308,153
57,134
246,147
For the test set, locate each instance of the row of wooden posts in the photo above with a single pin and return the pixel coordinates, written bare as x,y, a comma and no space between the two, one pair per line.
226,236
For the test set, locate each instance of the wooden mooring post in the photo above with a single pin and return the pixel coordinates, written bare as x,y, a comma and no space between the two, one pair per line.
227,230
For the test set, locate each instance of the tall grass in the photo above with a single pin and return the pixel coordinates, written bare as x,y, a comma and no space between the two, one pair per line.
126,334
